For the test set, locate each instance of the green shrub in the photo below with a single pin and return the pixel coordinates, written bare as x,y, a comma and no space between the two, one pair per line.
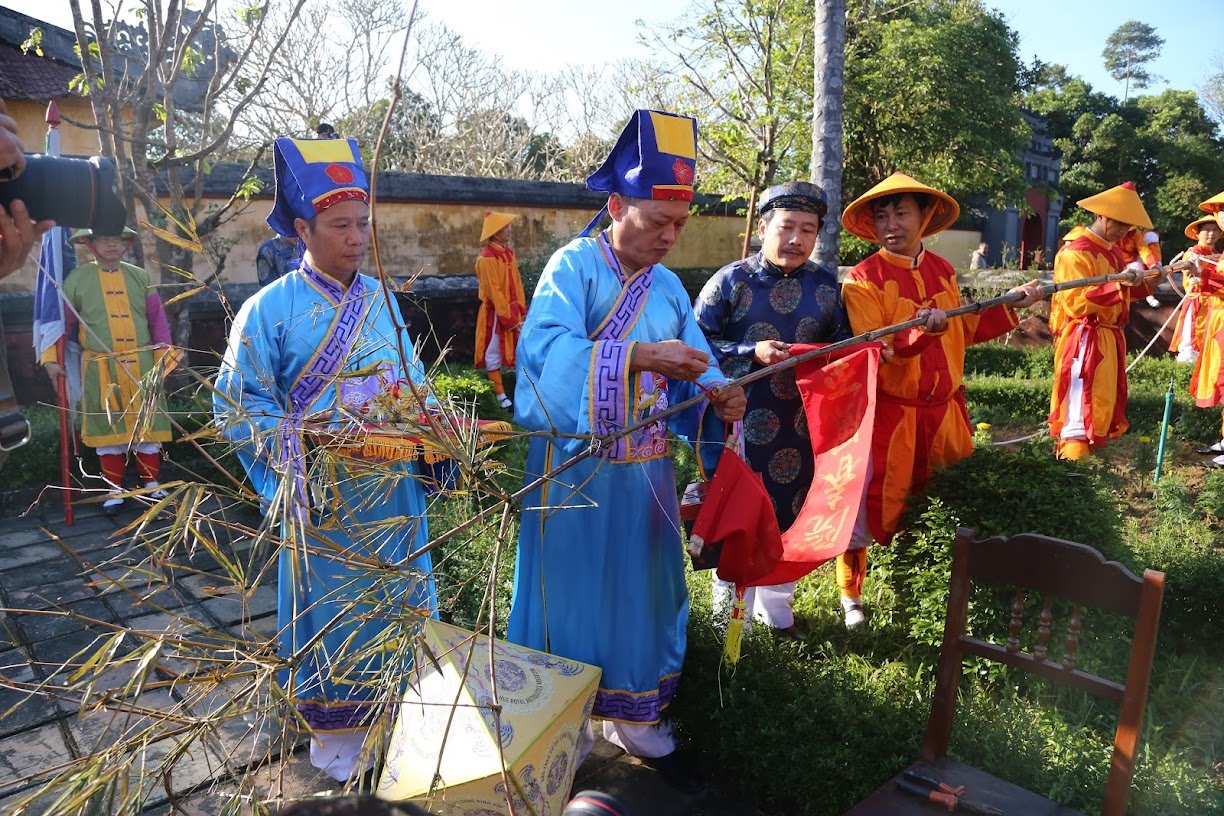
1000,360
993,492
38,461
1000,399
1178,539
808,729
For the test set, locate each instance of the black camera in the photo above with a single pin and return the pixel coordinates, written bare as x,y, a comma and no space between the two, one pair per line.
72,192
594,803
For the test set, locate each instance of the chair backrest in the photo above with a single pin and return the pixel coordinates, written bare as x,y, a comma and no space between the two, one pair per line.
1055,569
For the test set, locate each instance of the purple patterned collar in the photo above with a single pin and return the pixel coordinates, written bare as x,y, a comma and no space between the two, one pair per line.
325,283
610,256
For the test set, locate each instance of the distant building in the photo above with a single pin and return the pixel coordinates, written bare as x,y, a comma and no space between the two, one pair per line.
1018,235
29,81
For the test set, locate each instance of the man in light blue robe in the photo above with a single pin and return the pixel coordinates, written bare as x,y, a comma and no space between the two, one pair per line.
303,352
611,339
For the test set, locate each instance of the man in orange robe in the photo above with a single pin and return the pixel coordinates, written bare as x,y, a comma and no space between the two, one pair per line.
921,422
1187,335
1207,382
1088,402
502,303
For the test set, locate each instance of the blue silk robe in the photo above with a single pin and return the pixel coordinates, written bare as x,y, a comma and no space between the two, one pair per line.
345,565
752,300
600,570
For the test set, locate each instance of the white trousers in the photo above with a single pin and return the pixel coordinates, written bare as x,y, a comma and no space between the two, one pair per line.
493,357
771,605
648,741
139,447
338,755
1074,427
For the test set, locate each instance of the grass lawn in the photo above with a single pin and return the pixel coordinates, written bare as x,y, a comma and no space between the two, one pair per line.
812,727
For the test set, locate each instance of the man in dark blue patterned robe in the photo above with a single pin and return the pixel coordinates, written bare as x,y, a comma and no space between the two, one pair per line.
751,311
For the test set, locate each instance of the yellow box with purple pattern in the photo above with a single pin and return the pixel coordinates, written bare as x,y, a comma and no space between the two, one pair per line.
545,702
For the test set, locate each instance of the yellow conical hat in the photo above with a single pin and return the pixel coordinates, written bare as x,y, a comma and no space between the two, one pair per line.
86,234
1192,229
1213,204
1120,203
493,223
858,220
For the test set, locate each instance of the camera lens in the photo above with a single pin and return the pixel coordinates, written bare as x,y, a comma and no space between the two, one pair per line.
73,192
594,803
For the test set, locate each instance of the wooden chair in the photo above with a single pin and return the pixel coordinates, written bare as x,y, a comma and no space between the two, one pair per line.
1056,569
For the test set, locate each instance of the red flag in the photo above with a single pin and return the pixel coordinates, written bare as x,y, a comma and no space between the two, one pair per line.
738,515
839,397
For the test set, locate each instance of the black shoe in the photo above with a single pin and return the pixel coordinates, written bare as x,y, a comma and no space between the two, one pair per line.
792,632
675,769
1211,450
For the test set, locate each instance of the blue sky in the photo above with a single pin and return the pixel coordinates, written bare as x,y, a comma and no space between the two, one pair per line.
547,34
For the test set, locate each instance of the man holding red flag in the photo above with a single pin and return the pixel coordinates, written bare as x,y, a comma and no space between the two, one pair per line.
921,422
751,312
1088,402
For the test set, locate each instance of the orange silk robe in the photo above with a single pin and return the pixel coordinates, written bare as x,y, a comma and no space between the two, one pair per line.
1207,382
1190,314
1087,326
921,422
1133,247
501,300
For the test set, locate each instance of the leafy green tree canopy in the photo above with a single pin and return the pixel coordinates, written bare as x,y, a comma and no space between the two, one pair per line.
1131,46
1166,143
931,90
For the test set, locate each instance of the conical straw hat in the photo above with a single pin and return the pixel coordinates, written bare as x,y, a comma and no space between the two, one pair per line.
1192,229
859,221
1213,204
87,234
1120,203
493,223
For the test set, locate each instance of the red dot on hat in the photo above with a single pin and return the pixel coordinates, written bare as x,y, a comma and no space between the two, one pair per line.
1130,185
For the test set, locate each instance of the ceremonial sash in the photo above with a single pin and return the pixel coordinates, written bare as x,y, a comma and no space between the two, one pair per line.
618,399
320,371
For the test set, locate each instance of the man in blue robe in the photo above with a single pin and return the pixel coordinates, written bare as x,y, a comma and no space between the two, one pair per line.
610,339
306,351
751,311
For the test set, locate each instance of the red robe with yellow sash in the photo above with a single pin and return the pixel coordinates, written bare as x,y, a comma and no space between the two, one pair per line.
921,422
1089,397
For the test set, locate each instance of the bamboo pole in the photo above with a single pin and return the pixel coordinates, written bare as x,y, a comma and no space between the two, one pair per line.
65,431
599,443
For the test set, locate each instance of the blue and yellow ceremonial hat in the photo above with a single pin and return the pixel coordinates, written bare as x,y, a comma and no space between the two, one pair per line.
655,157
312,175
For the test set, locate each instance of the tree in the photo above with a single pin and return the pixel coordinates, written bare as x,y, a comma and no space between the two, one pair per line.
1131,46
340,77
931,90
1212,89
745,66
828,104
1165,143
166,97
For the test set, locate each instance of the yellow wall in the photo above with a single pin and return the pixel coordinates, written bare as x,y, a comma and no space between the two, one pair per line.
442,239
955,246
32,125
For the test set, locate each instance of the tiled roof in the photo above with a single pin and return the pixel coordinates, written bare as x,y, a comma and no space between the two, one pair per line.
29,76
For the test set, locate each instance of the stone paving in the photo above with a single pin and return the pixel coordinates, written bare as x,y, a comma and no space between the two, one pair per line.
64,590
